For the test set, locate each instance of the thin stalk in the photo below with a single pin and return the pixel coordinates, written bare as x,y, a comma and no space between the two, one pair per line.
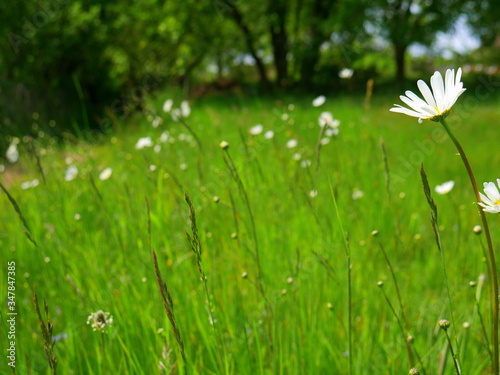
386,170
232,167
168,303
190,130
496,365
349,283
318,145
483,327
401,328
398,293
195,243
14,204
405,329
455,360
437,238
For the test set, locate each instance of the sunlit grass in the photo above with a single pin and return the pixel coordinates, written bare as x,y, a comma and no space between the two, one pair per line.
93,248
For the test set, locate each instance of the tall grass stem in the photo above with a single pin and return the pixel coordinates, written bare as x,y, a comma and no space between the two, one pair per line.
491,252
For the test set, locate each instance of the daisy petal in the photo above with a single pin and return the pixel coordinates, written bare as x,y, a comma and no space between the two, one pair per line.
438,90
415,105
426,92
405,111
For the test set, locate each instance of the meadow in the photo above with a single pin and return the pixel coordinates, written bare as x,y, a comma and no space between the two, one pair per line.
285,267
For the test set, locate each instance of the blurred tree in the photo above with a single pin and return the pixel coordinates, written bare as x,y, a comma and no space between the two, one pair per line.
403,22
313,27
75,61
69,60
277,16
251,42
484,17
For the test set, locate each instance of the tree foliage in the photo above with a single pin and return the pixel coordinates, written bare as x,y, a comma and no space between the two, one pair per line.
75,60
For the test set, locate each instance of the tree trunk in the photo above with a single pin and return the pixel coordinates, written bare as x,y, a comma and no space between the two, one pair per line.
237,16
399,55
310,59
311,53
279,39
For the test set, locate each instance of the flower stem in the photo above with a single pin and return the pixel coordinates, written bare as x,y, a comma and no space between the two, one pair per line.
490,246
455,359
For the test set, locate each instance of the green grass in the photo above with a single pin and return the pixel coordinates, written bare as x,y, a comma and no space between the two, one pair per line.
103,260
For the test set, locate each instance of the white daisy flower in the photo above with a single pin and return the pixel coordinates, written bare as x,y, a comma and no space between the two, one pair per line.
257,129
292,143
313,193
176,114
185,108
269,134
319,101
30,184
164,136
325,119
156,121
71,173
305,163
332,132
105,174
490,201
346,73
324,141
445,187
143,142
357,194
438,103
167,106
12,153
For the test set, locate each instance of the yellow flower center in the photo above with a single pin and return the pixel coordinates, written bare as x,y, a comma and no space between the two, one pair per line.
497,203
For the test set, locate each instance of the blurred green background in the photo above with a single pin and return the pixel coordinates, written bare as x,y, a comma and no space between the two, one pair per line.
85,64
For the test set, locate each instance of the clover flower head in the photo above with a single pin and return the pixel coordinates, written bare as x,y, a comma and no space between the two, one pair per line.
100,320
